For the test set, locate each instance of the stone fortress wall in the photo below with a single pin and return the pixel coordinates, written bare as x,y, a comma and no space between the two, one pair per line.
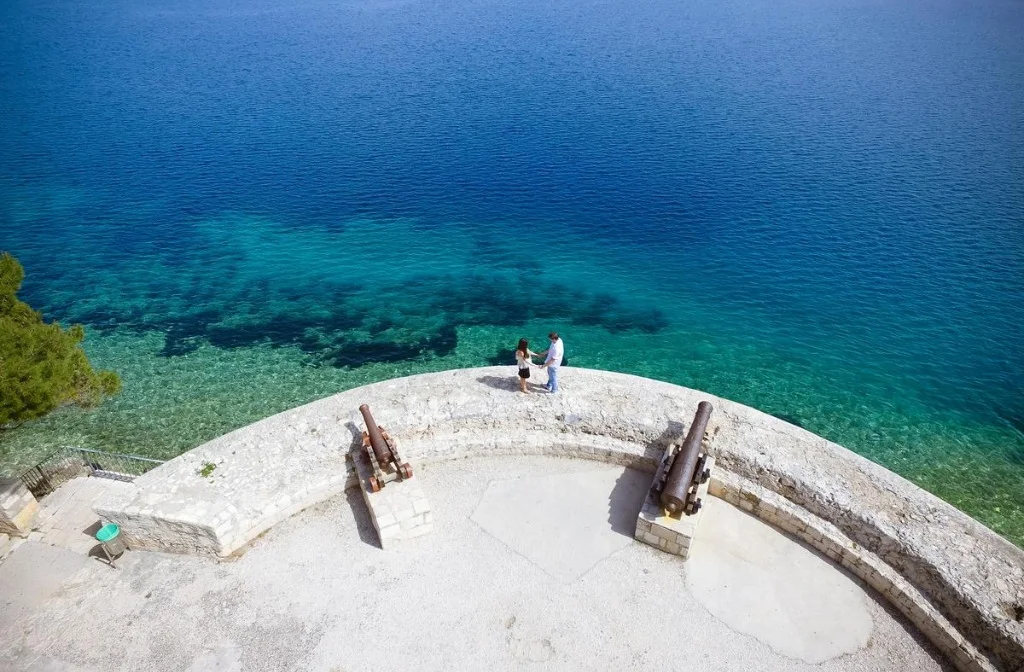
957,581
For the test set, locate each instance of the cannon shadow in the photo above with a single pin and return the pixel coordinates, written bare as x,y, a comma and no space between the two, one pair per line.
627,496
364,526
626,499
354,497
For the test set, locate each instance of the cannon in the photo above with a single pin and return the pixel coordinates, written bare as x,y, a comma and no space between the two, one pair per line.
382,451
677,481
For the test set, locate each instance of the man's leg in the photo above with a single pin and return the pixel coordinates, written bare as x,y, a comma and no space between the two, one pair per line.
553,379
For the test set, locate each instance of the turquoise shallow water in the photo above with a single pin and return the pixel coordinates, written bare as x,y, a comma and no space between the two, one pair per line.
812,208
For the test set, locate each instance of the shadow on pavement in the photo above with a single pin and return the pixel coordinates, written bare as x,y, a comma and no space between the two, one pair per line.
354,496
509,384
364,526
626,499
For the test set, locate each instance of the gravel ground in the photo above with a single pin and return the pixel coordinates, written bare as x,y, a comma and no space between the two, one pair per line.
316,593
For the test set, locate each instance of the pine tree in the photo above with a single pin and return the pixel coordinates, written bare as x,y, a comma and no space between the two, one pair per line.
42,366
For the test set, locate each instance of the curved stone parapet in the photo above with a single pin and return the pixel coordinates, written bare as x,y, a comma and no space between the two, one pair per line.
959,582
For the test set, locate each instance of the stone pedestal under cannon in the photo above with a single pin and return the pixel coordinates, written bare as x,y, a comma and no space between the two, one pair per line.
673,506
399,511
672,535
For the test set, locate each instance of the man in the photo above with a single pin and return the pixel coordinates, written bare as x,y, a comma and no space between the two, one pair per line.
553,360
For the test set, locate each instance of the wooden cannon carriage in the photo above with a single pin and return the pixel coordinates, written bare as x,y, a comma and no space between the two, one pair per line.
382,451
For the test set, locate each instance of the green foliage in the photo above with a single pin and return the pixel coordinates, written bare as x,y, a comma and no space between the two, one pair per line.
207,469
42,365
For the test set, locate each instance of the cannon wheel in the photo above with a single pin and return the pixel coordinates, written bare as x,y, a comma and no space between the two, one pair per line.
406,470
374,484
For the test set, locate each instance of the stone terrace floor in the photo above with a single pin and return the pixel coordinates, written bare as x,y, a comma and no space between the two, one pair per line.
66,518
532,562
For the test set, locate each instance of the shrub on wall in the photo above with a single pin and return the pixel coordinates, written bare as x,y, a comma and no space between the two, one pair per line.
42,365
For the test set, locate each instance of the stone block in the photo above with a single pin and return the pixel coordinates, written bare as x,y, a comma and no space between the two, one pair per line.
419,531
965,659
18,508
669,534
663,532
789,523
399,511
878,580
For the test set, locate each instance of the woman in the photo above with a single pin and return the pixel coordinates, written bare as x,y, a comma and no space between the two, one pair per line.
523,357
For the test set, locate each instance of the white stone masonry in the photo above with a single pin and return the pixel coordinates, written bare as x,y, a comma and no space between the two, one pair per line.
672,535
274,468
399,511
17,508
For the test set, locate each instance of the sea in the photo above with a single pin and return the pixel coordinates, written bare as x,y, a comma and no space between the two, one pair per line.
813,207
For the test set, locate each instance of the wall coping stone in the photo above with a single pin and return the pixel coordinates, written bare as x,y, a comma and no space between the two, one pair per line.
18,508
278,466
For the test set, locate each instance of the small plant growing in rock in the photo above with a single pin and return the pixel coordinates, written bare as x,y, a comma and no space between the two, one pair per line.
207,469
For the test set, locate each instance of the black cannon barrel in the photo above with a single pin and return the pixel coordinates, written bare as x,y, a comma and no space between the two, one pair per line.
377,442
684,466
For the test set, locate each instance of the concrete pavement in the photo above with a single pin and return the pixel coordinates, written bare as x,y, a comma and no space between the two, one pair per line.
316,593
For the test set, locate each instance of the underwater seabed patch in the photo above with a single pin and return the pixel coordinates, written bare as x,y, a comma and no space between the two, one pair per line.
238,281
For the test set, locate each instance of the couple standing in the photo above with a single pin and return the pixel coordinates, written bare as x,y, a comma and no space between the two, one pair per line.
552,360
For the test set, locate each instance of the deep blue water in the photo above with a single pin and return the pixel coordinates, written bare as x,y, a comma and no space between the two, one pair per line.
816,208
